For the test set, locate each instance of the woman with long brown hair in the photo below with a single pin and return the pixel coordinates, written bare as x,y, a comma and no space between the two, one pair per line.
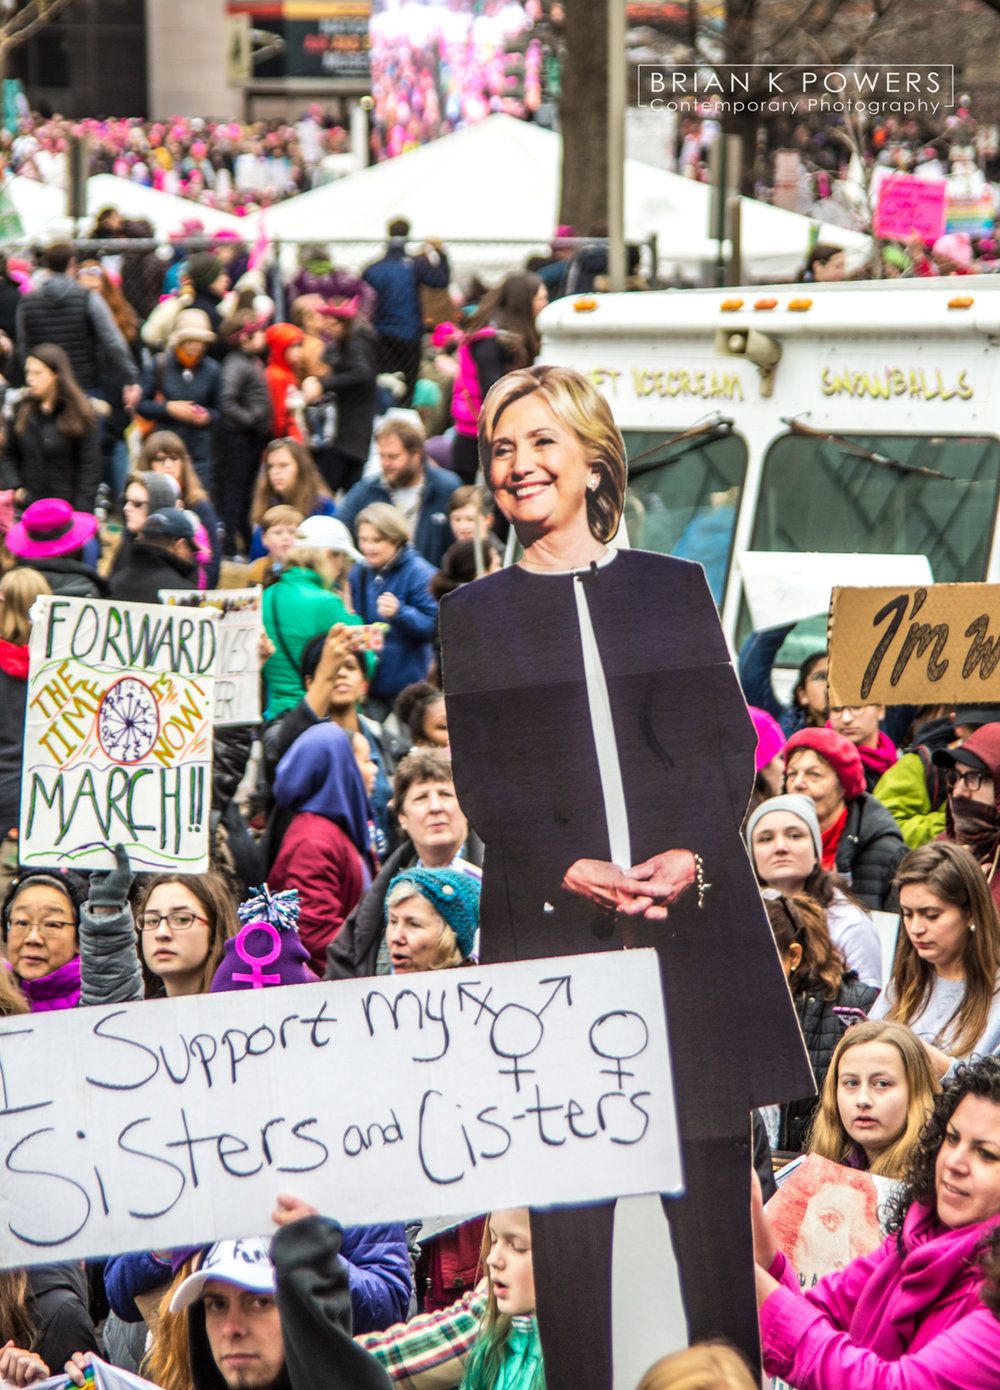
184,922
288,475
165,452
946,971
500,335
52,449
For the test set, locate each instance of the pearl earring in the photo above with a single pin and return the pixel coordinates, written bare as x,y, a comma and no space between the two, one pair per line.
972,926
593,482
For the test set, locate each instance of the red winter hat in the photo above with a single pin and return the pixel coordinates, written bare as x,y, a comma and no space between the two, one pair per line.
838,751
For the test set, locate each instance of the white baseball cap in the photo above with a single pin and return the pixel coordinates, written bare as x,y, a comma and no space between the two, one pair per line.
327,533
245,1263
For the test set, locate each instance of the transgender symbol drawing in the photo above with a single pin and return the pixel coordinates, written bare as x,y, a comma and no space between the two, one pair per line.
128,721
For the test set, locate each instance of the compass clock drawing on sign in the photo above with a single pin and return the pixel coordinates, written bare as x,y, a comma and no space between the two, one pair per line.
128,721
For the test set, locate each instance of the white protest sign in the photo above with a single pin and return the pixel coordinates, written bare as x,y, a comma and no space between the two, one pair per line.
118,735
161,1124
785,587
237,666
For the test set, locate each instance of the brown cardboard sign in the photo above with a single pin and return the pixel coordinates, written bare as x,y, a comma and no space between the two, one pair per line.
922,645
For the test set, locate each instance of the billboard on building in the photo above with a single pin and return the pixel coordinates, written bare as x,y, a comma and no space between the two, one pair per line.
322,38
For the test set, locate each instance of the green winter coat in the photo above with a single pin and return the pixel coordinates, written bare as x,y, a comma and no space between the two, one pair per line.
296,609
903,792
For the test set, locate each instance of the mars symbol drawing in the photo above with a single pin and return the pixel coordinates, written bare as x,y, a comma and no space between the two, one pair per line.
128,721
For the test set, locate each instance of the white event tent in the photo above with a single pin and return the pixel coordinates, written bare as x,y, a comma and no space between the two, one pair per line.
497,183
41,208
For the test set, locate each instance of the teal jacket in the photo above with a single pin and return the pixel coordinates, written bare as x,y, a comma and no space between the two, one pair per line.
296,609
522,1365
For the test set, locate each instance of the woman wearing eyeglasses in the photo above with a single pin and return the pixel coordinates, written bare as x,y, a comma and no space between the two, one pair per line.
946,972
69,943
165,452
972,814
184,921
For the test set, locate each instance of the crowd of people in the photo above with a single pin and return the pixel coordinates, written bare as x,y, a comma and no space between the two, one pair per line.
239,450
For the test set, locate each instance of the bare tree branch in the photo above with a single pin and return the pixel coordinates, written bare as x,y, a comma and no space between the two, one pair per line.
35,15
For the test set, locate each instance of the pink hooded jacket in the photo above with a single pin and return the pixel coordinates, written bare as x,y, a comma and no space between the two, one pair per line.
888,1321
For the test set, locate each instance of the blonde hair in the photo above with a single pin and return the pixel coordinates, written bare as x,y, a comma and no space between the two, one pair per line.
830,1139
579,407
705,1366
446,953
281,515
18,589
387,520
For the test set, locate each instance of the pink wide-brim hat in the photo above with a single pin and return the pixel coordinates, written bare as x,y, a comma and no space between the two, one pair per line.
48,528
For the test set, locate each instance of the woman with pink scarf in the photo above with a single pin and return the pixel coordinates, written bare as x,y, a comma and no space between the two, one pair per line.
922,1312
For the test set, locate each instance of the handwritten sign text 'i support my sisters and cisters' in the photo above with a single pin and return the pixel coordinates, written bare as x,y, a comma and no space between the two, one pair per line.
161,1124
118,735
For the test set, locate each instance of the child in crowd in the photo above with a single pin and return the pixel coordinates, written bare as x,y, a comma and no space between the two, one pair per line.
278,527
508,1354
878,1093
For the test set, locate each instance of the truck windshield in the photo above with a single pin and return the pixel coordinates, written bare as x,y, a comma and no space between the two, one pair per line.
817,494
683,500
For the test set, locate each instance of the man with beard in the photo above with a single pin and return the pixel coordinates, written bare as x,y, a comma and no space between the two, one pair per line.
410,482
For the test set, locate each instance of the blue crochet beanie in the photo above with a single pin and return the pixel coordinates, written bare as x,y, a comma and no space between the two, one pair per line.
452,894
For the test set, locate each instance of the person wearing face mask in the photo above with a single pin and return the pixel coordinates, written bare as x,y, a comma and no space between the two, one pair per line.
972,815
180,390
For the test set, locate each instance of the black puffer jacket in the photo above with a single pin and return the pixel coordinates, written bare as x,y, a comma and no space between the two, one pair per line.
353,367
47,463
245,399
822,1030
870,849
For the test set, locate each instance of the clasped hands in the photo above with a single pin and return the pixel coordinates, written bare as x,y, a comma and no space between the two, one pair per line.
645,890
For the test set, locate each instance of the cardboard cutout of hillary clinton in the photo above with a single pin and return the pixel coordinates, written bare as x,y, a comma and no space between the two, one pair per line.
603,751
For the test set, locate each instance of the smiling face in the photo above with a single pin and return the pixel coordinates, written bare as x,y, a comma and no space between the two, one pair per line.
967,1169
177,956
872,1095
937,929
538,472
783,851
41,932
282,472
512,1275
813,776
244,1333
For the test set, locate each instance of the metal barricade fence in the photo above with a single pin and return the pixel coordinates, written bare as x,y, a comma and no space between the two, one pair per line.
144,264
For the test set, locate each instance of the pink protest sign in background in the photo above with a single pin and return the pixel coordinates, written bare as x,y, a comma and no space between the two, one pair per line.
907,204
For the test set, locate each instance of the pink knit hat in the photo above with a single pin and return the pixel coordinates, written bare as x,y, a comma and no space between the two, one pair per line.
838,751
956,246
770,739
